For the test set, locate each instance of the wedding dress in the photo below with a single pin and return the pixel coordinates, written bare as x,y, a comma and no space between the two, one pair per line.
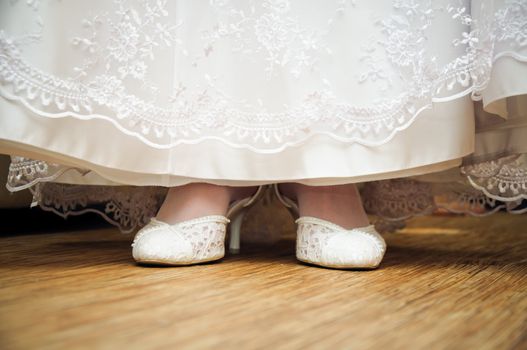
104,104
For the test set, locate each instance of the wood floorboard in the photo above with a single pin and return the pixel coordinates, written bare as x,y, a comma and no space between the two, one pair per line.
447,282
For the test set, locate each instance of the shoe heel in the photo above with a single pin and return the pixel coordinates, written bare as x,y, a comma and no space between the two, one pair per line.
237,212
235,232
291,205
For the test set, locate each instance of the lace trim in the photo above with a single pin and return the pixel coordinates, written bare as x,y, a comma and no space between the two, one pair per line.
24,173
491,186
504,179
392,200
399,199
128,208
278,134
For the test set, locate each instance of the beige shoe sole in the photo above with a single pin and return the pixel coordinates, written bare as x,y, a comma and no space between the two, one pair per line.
341,267
179,263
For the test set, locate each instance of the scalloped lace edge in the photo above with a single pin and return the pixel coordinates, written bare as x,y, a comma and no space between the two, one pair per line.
470,90
284,145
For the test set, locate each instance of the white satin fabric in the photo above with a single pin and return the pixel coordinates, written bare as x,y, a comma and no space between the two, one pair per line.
123,159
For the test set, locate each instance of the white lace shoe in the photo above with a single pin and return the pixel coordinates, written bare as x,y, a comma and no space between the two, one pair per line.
192,241
188,242
324,243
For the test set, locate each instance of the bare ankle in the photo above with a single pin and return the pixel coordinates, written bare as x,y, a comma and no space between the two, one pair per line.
194,200
199,199
339,204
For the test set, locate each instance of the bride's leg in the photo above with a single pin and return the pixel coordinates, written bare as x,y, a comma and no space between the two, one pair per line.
340,204
199,199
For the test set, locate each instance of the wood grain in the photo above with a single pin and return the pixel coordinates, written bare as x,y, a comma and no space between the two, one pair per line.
446,283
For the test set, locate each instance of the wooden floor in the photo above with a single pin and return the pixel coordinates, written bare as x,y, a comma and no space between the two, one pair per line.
445,283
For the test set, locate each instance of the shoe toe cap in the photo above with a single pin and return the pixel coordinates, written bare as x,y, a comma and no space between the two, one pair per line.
355,249
161,245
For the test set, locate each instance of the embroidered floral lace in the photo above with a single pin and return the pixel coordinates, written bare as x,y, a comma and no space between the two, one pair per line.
112,76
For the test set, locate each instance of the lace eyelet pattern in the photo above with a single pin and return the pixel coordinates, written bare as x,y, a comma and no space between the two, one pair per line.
185,243
323,243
